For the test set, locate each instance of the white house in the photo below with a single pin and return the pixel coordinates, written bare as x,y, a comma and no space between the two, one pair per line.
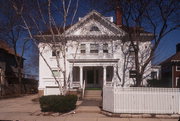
95,51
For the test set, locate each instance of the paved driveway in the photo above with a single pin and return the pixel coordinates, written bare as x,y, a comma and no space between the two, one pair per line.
23,109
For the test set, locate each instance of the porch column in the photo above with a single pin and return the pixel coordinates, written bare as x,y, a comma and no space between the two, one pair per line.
104,75
115,70
81,76
71,76
115,79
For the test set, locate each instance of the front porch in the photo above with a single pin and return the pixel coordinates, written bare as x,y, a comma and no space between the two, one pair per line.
92,74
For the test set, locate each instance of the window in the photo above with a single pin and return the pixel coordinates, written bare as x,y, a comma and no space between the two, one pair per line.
178,82
94,48
55,50
154,75
55,53
94,28
177,68
105,48
132,74
56,73
131,50
83,48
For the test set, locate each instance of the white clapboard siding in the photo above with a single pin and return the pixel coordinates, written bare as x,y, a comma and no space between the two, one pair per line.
141,100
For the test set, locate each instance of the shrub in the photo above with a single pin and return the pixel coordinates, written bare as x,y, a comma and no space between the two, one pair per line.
58,103
157,83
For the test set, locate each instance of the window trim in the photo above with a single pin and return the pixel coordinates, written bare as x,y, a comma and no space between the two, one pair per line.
177,68
177,78
94,50
105,48
55,74
83,49
156,74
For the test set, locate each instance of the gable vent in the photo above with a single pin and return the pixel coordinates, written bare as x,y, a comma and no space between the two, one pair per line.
94,28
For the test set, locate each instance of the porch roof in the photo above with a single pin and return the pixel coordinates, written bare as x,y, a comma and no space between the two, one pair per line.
91,60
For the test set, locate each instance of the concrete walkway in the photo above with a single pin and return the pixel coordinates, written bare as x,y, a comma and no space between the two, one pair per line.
23,109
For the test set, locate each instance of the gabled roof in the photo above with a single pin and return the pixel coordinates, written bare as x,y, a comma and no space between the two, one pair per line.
5,46
97,17
119,31
175,57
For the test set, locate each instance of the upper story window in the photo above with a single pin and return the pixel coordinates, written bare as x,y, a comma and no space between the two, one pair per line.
94,28
131,50
177,68
94,48
105,48
83,48
55,51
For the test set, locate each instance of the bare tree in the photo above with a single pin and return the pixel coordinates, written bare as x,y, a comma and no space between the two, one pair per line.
12,32
146,21
52,17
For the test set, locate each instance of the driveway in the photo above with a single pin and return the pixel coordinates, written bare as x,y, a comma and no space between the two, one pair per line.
23,109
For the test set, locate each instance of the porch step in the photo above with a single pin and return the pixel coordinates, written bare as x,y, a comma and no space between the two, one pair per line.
93,94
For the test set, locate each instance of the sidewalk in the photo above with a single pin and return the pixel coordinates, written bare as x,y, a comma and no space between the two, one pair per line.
22,109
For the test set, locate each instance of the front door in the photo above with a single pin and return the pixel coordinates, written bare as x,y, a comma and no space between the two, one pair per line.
90,77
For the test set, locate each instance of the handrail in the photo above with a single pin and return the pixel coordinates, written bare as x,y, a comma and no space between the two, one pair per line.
83,88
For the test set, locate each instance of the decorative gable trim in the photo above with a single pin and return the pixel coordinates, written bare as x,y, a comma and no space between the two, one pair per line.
98,17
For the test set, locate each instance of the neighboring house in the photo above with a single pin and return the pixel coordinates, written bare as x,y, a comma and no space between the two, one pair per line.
8,66
99,54
171,69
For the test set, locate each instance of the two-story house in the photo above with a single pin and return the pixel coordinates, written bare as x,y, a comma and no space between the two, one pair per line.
94,55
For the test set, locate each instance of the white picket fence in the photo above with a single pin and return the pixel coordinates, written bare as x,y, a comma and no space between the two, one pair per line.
141,100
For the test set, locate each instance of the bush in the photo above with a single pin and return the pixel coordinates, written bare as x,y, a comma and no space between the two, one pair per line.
58,103
157,83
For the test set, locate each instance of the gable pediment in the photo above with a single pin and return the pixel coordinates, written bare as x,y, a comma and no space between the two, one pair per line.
94,24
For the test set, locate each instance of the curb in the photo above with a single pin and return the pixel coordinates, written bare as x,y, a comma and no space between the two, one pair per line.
126,115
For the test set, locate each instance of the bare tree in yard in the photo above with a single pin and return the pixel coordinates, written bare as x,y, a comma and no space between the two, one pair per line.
158,17
49,20
12,32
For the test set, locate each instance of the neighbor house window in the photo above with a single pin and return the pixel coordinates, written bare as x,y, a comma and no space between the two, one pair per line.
177,68
94,48
105,48
83,48
132,74
56,73
178,82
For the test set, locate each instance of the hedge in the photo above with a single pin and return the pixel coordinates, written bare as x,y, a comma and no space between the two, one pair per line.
58,103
